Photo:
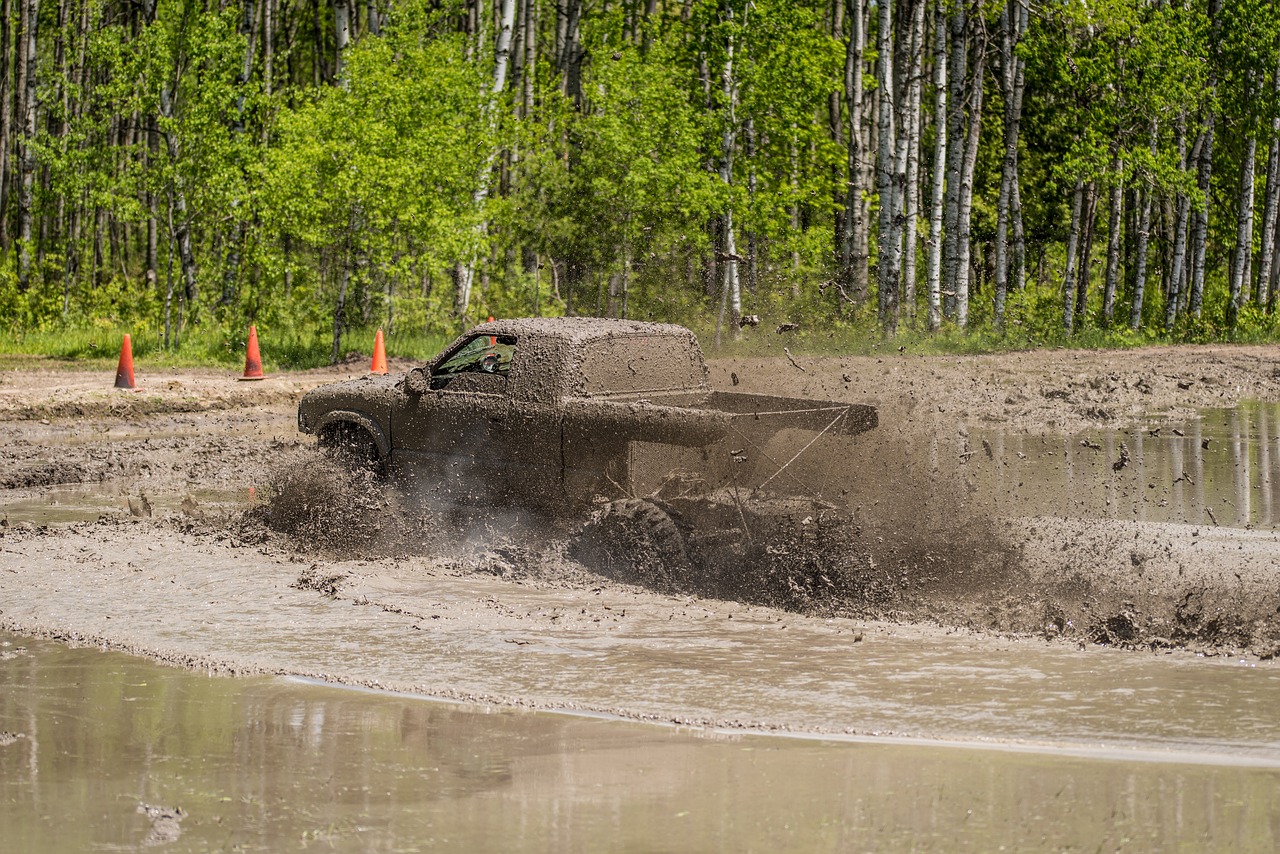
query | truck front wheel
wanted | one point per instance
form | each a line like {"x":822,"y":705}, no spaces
{"x":633,"y":540}
{"x":351,"y":446}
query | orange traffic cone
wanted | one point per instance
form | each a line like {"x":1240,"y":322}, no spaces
{"x":124,"y":370}
{"x":379,"y":355}
{"x":252,"y":360}
{"x":493,"y":339}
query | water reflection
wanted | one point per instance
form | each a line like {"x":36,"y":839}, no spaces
{"x":258,"y":764}
{"x":1221,"y":469}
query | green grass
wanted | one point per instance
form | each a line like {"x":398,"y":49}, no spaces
{"x":1033,"y":322}
{"x":98,"y":346}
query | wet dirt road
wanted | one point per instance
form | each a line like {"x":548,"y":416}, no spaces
{"x":188,"y":585}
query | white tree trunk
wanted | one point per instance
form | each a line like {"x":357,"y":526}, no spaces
{"x":1113,"y":242}
{"x":1270,"y":206}
{"x":502,"y":61}
{"x":1019,"y":234}
{"x":341,"y":39}
{"x":854,"y":240}
{"x":911,"y":202}
{"x":1244,"y":232}
{"x":959,"y":46}
{"x":1270,"y":209}
{"x":1013,"y":73}
{"x":731,"y":291}
{"x":889,"y":262}
{"x":1177,"y":275}
{"x":27,"y":164}
{"x":1073,"y":243}
{"x":964,"y":241}
{"x":1200,"y":231}
{"x":1144,"y":232}
{"x":939,"y":166}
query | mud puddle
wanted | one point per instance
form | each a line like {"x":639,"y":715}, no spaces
{"x":106,"y":751}
{"x":437,"y":629}
{"x":86,"y":502}
{"x":1220,"y":469}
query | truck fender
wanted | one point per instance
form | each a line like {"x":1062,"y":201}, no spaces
{"x":359,"y":418}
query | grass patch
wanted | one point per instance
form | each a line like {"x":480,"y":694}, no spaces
{"x":98,"y":346}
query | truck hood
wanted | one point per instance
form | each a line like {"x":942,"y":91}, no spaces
{"x":372,"y":396}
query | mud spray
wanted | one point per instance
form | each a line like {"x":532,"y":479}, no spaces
{"x":870,"y":555}
{"x":895,"y":539}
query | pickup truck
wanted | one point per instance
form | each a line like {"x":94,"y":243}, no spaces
{"x":571,"y":414}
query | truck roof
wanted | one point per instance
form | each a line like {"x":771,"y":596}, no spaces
{"x":576,"y":330}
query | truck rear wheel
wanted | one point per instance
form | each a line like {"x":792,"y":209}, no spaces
{"x":633,"y":540}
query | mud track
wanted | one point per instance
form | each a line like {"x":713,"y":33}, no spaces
{"x":205,"y":548}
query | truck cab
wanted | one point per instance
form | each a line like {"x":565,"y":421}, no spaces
{"x":535,"y":410}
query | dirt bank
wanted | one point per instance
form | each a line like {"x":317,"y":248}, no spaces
{"x":179,"y":564}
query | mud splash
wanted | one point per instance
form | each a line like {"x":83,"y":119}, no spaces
{"x":341,"y":511}
{"x":859,"y":561}
{"x":952,"y":562}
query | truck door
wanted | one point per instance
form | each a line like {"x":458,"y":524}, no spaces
{"x":450,"y":440}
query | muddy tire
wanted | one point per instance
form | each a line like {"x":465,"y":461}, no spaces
{"x":351,"y":446}
{"x":633,"y":540}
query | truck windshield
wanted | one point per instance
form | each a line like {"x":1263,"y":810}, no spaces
{"x":488,"y":354}
{"x":641,"y":364}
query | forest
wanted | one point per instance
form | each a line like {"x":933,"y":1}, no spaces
{"x":1005,"y":173}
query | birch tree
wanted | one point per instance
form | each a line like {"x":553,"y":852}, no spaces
{"x":909,"y":151}
{"x":855,"y":238}
{"x":26,"y":213}
{"x":889,"y":264}
{"x":501,"y":62}
{"x":1014,"y":18}
{"x":934,"y":275}
{"x":1270,"y":205}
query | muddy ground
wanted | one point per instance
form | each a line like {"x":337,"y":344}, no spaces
{"x":195,"y":485}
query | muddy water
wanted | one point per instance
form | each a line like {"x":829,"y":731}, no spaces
{"x":91,"y":739}
{"x":1063,"y":748}
{"x":85,"y":502}
{"x":1221,"y":469}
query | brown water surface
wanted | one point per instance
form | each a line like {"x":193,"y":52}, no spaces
{"x":1222,"y":468}
{"x":260,"y":764}
{"x":920,"y":737}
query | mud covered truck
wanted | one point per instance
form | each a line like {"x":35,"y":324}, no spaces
{"x":609,"y":420}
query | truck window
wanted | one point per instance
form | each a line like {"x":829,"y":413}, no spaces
{"x":634,"y":364}
{"x":481,"y":354}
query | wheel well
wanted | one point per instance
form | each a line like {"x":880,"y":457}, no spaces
{"x":336,"y":430}
{"x":341,"y":427}
{"x":350,"y":436}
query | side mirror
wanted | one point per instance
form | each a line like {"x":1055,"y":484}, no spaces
{"x":418,"y":381}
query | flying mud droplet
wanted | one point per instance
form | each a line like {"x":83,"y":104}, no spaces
{"x":342,"y":511}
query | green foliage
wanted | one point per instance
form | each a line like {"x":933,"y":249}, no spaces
{"x":97,"y":345}
{"x":583,"y":186}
